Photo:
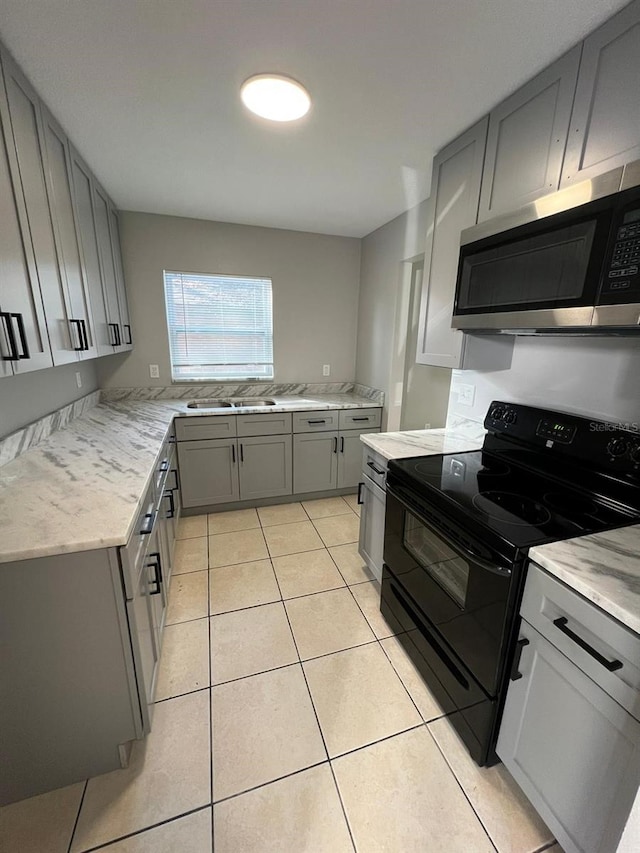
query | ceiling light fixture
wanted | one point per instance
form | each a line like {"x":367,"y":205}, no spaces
{"x":275,"y":97}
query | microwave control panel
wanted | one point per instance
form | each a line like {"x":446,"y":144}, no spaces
{"x":623,"y":271}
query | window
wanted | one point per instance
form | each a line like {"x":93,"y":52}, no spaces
{"x":220,"y":326}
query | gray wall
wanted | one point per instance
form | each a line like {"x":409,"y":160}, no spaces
{"x":26,"y":398}
{"x":598,"y":377}
{"x":387,"y":326}
{"x":315,"y":292}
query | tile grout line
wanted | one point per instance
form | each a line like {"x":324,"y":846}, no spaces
{"x":210,"y":687}
{"x":75,"y":823}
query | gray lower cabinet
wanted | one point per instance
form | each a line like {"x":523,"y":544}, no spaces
{"x":265,"y":466}
{"x":453,"y":206}
{"x":569,"y":735}
{"x":315,"y":462}
{"x":350,"y":457}
{"x":604,"y":131}
{"x":527,"y":138}
{"x":371,"y":540}
{"x":208,"y":471}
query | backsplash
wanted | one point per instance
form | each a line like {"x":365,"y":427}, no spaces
{"x":198,"y":392}
{"x":24,"y":439}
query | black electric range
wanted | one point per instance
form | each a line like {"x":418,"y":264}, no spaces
{"x":458,"y":529}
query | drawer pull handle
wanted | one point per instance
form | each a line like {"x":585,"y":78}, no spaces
{"x":610,"y":665}
{"x":316,"y":422}
{"x":360,"y":498}
{"x":375,"y":469}
{"x":156,"y":565}
{"x":515,"y":666}
{"x":147,"y":526}
{"x":366,"y":418}
{"x":164,"y":466}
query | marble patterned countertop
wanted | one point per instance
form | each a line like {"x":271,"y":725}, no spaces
{"x":80,"y":489}
{"x":604,"y":568}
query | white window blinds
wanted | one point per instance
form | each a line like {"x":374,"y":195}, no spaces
{"x":220,"y":326}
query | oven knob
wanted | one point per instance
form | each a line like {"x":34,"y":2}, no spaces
{"x":634,"y":453}
{"x":617,"y":447}
{"x":510,"y":416}
{"x":497,"y":413}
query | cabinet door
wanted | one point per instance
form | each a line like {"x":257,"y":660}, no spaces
{"x":455,"y":193}
{"x":572,"y":749}
{"x":350,"y":457}
{"x":143,"y":641}
{"x":208,"y":472}
{"x":371,"y":542}
{"x":60,"y":192}
{"x":89,"y":245}
{"x":527,"y":138}
{"x":123,"y":305}
{"x":315,"y":462}
{"x":110,"y":288}
{"x":24,"y":113}
{"x":604,"y":131}
{"x":265,"y":466}
{"x":20,"y":299}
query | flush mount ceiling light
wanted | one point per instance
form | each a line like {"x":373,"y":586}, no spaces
{"x":275,"y":97}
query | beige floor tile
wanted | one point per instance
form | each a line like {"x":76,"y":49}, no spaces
{"x":399,"y":795}
{"x":281,"y":514}
{"x":42,"y":823}
{"x":325,"y":507}
{"x":507,"y":815}
{"x":339,"y":529}
{"x":188,"y":597}
{"x":232,"y":521}
{"x":189,"y":834}
{"x":352,"y":566}
{"x":352,"y":500}
{"x":264,"y":728}
{"x":292,"y":538}
{"x":243,"y":585}
{"x":184,"y":663}
{"x":305,"y":573}
{"x":244,"y":546}
{"x":327,"y":622}
{"x":411,"y":678}
{"x":168,"y":774}
{"x":249,"y":641}
{"x":368,"y":597}
{"x":358,"y":698}
{"x":190,"y":526}
{"x":191,"y":555}
{"x":294,"y":815}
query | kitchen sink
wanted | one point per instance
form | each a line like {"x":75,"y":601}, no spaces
{"x":242,"y":402}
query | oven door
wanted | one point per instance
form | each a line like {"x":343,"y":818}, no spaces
{"x":460,"y":587}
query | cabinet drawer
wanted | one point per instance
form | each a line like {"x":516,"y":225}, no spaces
{"x":163,"y":463}
{"x":315,"y":421}
{"x":209,"y":426}
{"x":267,"y":424}
{"x":374,"y":466}
{"x":132,"y":554}
{"x":547,"y":600}
{"x":359,"y":418}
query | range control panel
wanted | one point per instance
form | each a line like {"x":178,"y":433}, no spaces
{"x":611,"y":445}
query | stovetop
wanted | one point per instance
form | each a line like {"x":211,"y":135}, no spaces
{"x":523,"y":507}
{"x":540,"y":476}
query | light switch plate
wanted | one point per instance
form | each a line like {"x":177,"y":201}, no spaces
{"x":154,"y":371}
{"x":466,"y":394}
{"x":326,"y":370}
{"x":78,"y":379}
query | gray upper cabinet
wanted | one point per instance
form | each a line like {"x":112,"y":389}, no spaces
{"x":605,"y":124}
{"x":25,"y":124}
{"x":21,"y":308}
{"x":455,"y":194}
{"x":61,"y":205}
{"x":526,"y":140}
{"x":89,"y":244}
{"x":102,"y":218}
{"x":265,"y":466}
{"x":123,"y":305}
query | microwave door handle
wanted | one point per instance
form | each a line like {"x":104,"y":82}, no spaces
{"x":488,"y":566}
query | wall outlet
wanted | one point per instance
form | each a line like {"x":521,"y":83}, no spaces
{"x":466,"y":394}
{"x":78,"y":379}
{"x":427,"y":426}
{"x":154,"y":371}
{"x":326,"y":370}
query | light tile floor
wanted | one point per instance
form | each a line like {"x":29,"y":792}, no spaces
{"x":289,"y":718}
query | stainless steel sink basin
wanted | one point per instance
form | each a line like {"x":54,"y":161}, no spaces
{"x":210,"y":404}
{"x":247,"y":402}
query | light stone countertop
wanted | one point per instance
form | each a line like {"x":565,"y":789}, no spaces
{"x":420,"y":442}
{"x":604,"y":568}
{"x":81,"y":488}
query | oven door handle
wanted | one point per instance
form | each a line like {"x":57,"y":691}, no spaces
{"x":486,"y":565}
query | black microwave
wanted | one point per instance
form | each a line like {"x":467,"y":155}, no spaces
{"x":576,"y":270}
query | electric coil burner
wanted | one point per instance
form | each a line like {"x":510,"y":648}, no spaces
{"x":458,"y":529}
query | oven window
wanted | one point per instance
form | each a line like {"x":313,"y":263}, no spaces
{"x":443,"y":564}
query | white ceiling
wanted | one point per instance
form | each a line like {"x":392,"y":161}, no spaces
{"x":148,"y":91}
